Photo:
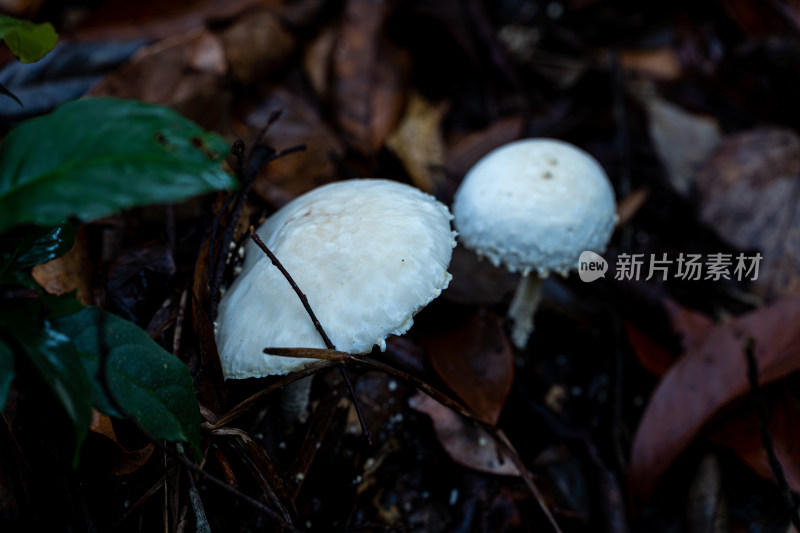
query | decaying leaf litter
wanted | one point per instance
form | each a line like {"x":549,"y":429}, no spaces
{"x":629,"y":410}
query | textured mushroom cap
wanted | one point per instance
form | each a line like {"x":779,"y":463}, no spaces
{"x":535,"y":204}
{"x":367,"y":253}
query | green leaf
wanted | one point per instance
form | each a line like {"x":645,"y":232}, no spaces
{"x":150,"y":384}
{"x":58,"y":305}
{"x":28,"y":41}
{"x":11,"y":95}
{"x":33,"y":245}
{"x":56,"y":359}
{"x":6,"y":373}
{"x":94,"y":156}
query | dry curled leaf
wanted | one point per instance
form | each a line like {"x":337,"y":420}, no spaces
{"x":711,"y":373}
{"x":317,"y":60}
{"x":476,"y":361}
{"x":185,"y":72}
{"x":748,"y":190}
{"x":124,"y":461}
{"x":653,"y":357}
{"x":662,"y":63}
{"x":299,"y":124}
{"x":159,"y":19}
{"x":370,"y":76}
{"x":741,"y":432}
{"x":683,"y":141}
{"x":465,"y":441}
{"x":476,"y":281}
{"x":464,"y":151}
{"x":257,"y":45}
{"x":418,"y":142}
{"x":69,"y":272}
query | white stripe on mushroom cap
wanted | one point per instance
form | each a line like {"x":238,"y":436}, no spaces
{"x":535,"y":204}
{"x":367,"y":253}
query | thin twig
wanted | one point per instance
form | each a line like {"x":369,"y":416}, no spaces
{"x":246,"y":404}
{"x":201,"y":522}
{"x":436,"y":394}
{"x":766,"y":437}
{"x":248,"y":165}
{"x":364,"y":429}
{"x":500,"y":436}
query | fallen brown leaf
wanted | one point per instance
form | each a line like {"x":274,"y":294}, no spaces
{"x":662,"y":63}
{"x":156,"y":19}
{"x":418,"y":142}
{"x":185,"y":72}
{"x":317,"y":60}
{"x":465,"y":151}
{"x":257,"y":45}
{"x":69,"y":272}
{"x":682,"y":140}
{"x":370,"y":76}
{"x":476,"y":281}
{"x":651,"y":355}
{"x":465,"y":441}
{"x":125,"y":461}
{"x":476,"y":361}
{"x":711,"y":373}
{"x":748,"y":190}
{"x":741,"y":432}
{"x":299,"y":124}
{"x":26,"y":9}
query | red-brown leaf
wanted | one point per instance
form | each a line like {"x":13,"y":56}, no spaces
{"x":300,"y":123}
{"x":742,"y":434}
{"x":711,"y":373}
{"x":123,"y":461}
{"x":651,"y":355}
{"x":370,"y":76}
{"x":476,"y":362}
{"x":465,"y":441}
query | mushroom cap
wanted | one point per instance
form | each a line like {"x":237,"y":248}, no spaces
{"x":367,"y":253}
{"x":535,"y":204}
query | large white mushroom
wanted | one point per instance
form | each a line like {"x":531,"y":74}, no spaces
{"x":368,"y":254}
{"x":534,"y":205}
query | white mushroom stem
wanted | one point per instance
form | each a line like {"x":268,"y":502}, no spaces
{"x":523,"y":306}
{"x":295,"y":398}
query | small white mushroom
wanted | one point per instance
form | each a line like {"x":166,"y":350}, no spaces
{"x":534,"y":205}
{"x":368,"y":254}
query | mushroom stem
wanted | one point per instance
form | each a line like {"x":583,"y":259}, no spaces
{"x":295,"y":399}
{"x":523,"y":306}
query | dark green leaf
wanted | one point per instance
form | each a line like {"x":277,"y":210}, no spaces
{"x":59,"y":305}
{"x":95,"y":156}
{"x":11,"y":95}
{"x":57,"y":361}
{"x":28,"y":41}
{"x":6,"y":372}
{"x":147,"y":382}
{"x":23,"y":279}
{"x":33,"y":245}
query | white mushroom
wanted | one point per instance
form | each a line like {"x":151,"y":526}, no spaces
{"x":368,"y":254}
{"x":534,"y":205}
